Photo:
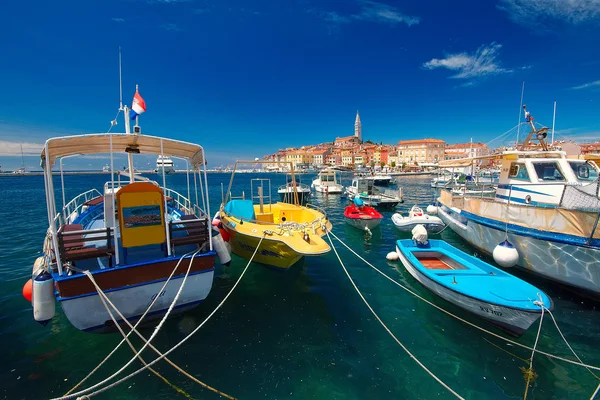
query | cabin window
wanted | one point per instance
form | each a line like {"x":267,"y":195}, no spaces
{"x":584,"y":171}
{"x":518,"y":171}
{"x":548,"y":171}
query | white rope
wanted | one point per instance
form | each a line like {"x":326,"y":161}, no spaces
{"x":182,"y":341}
{"x":135,"y":326}
{"x":595,"y":392}
{"x":530,"y":370}
{"x":104,"y":298}
{"x":464,"y":320}
{"x":386,"y":328}
{"x":567,"y":343}
{"x":156,"y":330}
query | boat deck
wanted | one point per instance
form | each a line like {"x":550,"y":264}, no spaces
{"x":437,"y":261}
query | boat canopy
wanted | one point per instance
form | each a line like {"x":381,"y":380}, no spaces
{"x":507,"y":155}
{"x":121,"y":143}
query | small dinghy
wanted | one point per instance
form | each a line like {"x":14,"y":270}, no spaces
{"x":415,"y":217}
{"x":474,"y":285}
{"x":362,"y":217}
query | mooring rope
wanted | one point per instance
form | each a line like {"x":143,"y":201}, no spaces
{"x":581,"y":364}
{"x":567,"y":343}
{"x":595,"y":392}
{"x":178,"y":368}
{"x":385,"y":326}
{"x":156,"y":330}
{"x":529,"y":372}
{"x":181,"y":342}
{"x":103,"y":298}
{"x":137,"y":323}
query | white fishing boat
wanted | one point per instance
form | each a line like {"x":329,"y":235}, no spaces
{"x":164,"y":163}
{"x":546,"y":205}
{"x":327,"y":182}
{"x":129,"y":239}
{"x":292,"y":188}
{"x":415,"y":217}
{"x":372,"y":196}
{"x":464,"y":190}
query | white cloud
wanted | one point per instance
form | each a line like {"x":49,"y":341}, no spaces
{"x":371,"y":11}
{"x":171,"y":27}
{"x":587,"y":85}
{"x":117,"y":19}
{"x":8,"y":148}
{"x":479,"y":64}
{"x":381,"y":12}
{"x":546,"y":12}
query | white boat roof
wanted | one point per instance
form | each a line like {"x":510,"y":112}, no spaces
{"x":100,"y":143}
{"x":507,"y":155}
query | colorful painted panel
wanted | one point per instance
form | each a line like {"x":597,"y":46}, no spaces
{"x":134,"y":217}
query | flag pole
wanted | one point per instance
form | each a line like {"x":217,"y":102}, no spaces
{"x":553,"y":122}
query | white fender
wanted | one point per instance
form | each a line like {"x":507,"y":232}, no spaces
{"x":43,"y":298}
{"x":221,"y":249}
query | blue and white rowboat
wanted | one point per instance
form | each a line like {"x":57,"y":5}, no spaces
{"x":474,"y":285}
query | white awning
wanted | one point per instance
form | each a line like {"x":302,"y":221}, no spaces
{"x":121,"y":143}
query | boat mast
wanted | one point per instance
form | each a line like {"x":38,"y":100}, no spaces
{"x":520,"y":108}
{"x":553,"y":122}
{"x":22,"y":160}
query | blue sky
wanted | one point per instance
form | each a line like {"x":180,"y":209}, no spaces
{"x":245,"y":78}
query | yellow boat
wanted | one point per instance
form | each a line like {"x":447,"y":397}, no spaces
{"x":291,"y":231}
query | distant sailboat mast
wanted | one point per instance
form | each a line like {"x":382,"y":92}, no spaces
{"x":520,"y":108}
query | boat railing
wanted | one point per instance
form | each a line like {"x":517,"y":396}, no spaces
{"x":72,"y":209}
{"x":182,"y":202}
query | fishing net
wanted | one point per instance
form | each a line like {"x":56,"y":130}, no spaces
{"x":582,"y":198}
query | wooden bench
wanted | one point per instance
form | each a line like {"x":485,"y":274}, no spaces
{"x":72,"y":243}
{"x":196,"y":228}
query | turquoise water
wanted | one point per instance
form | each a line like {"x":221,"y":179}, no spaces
{"x":303,"y":334}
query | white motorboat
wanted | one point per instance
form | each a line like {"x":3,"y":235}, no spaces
{"x":292,"y":188}
{"x":372,"y":196}
{"x":415,"y":217}
{"x":326,"y":182}
{"x":164,"y":163}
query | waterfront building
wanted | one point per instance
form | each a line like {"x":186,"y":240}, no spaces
{"x":468,"y":149}
{"x":421,"y":151}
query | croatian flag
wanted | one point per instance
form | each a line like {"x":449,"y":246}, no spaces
{"x":138,"y":106}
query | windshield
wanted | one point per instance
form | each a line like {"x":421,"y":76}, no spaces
{"x":584,"y":171}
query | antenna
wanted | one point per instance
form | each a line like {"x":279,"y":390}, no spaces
{"x":553,"y":122}
{"x":120,"y":83}
{"x":520,"y":108}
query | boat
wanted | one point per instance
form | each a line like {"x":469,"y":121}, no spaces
{"x":288,"y":231}
{"x":464,"y":190}
{"x":372,"y":196}
{"x":415,"y":217}
{"x":130,"y":237}
{"x":378,"y":178}
{"x":326,"y":182}
{"x":294,"y":188}
{"x":546,"y":204}
{"x":468,"y":282}
{"x":362,"y":217}
{"x":21,"y":170}
{"x":164,"y":163}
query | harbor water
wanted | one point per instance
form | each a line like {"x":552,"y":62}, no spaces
{"x":300,"y":334}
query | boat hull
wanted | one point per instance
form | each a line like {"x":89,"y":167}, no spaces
{"x":510,"y":320}
{"x":132,"y":289}
{"x":272,"y":252}
{"x":288,"y":197}
{"x":168,"y":170}
{"x":540,"y":256}
{"x":431,"y":224}
{"x":328,"y":189}
{"x":363,"y":224}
